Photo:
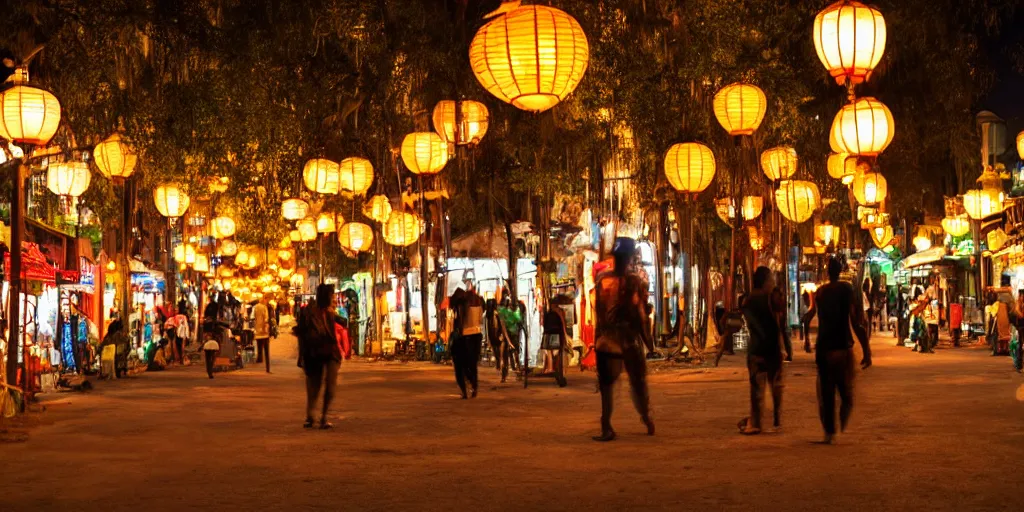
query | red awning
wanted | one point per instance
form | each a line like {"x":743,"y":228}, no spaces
{"x":34,"y":266}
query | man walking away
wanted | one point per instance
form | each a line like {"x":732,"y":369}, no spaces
{"x":766,"y":352}
{"x":837,"y":313}
{"x":620,"y":319}
{"x":465,"y":346}
{"x":319,"y":353}
{"x":261,"y":328}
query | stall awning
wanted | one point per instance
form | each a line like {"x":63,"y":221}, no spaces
{"x":923,"y":258}
{"x":34,"y":266}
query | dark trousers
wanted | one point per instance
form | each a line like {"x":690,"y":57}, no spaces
{"x":321,"y":374}
{"x":609,"y":368}
{"x":210,"y":356}
{"x":263,"y":351}
{"x":465,"y":356}
{"x":933,"y":336}
{"x":179,"y":344}
{"x":764,"y":373}
{"x":835,"y":374}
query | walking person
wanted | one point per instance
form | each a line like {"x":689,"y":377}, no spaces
{"x":766,"y":351}
{"x":319,"y":353}
{"x":261,"y":328}
{"x":210,"y":349}
{"x":621,"y":327}
{"x":837,"y":315}
{"x":467,"y":337}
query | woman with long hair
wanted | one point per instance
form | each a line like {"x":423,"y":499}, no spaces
{"x":319,"y":353}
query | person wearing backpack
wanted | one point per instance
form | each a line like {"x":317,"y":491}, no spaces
{"x":319,"y":353}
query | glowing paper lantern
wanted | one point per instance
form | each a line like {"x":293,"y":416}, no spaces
{"x":171,"y":201}
{"x":982,"y":203}
{"x":378,"y":208}
{"x":284,"y":255}
{"x":1020,"y":145}
{"x":189,"y":257}
{"x":725,"y":209}
{"x":862,"y":128}
{"x":826,"y":234}
{"x":797,"y":200}
{"x":28,"y":115}
{"x":69,"y":179}
{"x":757,"y":240}
{"x":355,"y":236}
{"x":325,"y":223}
{"x":228,"y":248}
{"x":322,"y":176}
{"x":882,"y":236}
{"x":222,"y":227}
{"x":958,"y":225}
{"x":740,"y":108}
{"x":201,"y":264}
{"x":752,"y":207}
{"x":284,"y":273}
{"x":294,"y":209}
{"x":689,"y":167}
{"x":294,"y":235}
{"x":285,"y":242}
{"x":306,"y":229}
{"x":532,"y":57}
{"x":356,"y":175}
{"x":114,"y":157}
{"x":922,"y":242}
{"x":241,"y":258}
{"x":996,"y":239}
{"x":843,"y":167}
{"x":424,"y":152}
{"x":779,"y":163}
{"x":473,"y":121}
{"x":850,"y":39}
{"x":402,"y":229}
{"x":869,"y":188}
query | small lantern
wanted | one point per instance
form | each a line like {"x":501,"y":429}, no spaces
{"x":294,"y":209}
{"x":869,"y":187}
{"x":843,"y":167}
{"x":222,"y":227}
{"x":850,"y":39}
{"x":779,"y":163}
{"x":424,"y":152}
{"x":752,"y":207}
{"x":532,"y":56}
{"x":826,"y":234}
{"x":355,"y":236}
{"x":114,"y":157}
{"x":190,"y":254}
{"x":325,"y":223}
{"x":225,"y":272}
{"x":725,"y":209}
{"x":284,"y":273}
{"x":740,"y":108}
{"x":922,"y":242}
{"x":171,"y":201}
{"x":473,"y":121}
{"x":356,"y":175}
{"x":689,"y":167}
{"x":28,"y":115}
{"x":285,"y":242}
{"x":797,"y":200}
{"x":228,"y":248}
{"x":982,"y":203}
{"x":882,"y":236}
{"x":862,"y":128}
{"x":69,"y":179}
{"x":294,"y":235}
{"x":996,"y":239}
{"x":402,"y":229}
{"x":757,"y":240}
{"x":241,"y":258}
{"x":322,"y":176}
{"x":958,"y":225}
{"x":201,"y":264}
{"x":378,"y":208}
{"x":284,"y":255}
{"x":296,"y":281}
{"x":307,"y":230}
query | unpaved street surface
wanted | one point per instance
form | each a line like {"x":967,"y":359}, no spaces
{"x":930,"y":432}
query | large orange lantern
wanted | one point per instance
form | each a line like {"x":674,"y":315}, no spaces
{"x":356,"y":175}
{"x":532,"y":56}
{"x":114,"y":157}
{"x":689,"y":167}
{"x":740,"y":108}
{"x":28,"y":115}
{"x":322,"y":176}
{"x":843,"y":167}
{"x":862,"y":128}
{"x":424,"y":152}
{"x":378,"y":208}
{"x":171,"y":201}
{"x":474,"y":120}
{"x":355,"y":236}
{"x":797,"y":200}
{"x":69,"y":179}
{"x":402,"y":229}
{"x":869,"y":187}
{"x":294,"y":209}
{"x":958,"y":225}
{"x":850,"y":39}
{"x":779,"y":163}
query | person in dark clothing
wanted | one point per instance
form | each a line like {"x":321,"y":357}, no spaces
{"x":766,"y":351}
{"x":778,"y":299}
{"x":837,"y":312}
{"x":319,"y":352}
{"x":466,"y":344}
{"x":116,"y":336}
{"x":620,"y":320}
{"x":805,"y":325}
